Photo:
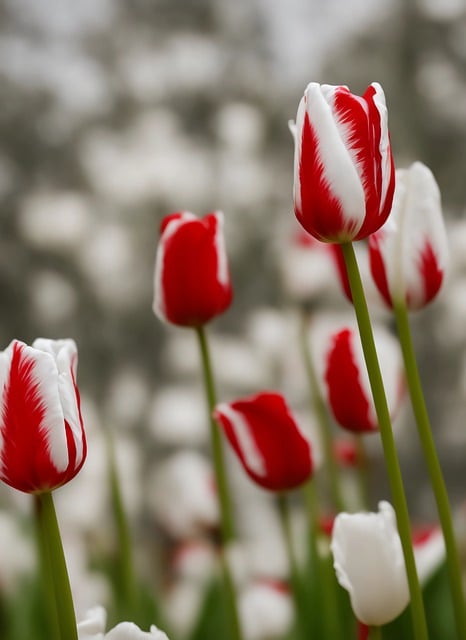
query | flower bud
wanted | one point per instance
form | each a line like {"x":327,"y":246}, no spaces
{"x":192,"y":280}
{"x":343,"y":167}
{"x":42,"y":439}
{"x":267,"y":439}
{"x":369,"y":563}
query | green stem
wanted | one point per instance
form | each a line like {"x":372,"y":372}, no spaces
{"x":48,"y":590}
{"x":61,"y":585}
{"x":388,"y":442}
{"x":226,"y":514}
{"x":127,"y":590}
{"x":323,"y":571}
{"x":375,"y":633}
{"x":323,"y":420}
{"x":433,"y":465}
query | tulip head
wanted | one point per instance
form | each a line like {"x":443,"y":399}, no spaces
{"x":267,"y":439}
{"x":343,"y":374}
{"x":192,"y":280}
{"x":369,"y":563}
{"x":409,"y":254}
{"x":42,"y":439}
{"x":344,"y":174}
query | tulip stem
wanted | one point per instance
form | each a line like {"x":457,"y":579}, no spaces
{"x":53,"y":553}
{"x":433,"y":465}
{"x":127,"y":590}
{"x":375,"y":633}
{"x":226,"y":515}
{"x":323,"y":420}
{"x":48,"y":591}
{"x":388,"y":442}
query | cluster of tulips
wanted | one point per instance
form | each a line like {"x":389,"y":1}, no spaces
{"x":346,"y":189}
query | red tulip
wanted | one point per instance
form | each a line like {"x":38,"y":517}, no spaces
{"x":267,"y":439}
{"x":192,"y":281}
{"x":409,"y":254}
{"x":345,"y":379}
{"x":42,"y":439}
{"x":344,"y":175}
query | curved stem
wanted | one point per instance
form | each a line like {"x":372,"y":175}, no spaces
{"x":127,"y":579}
{"x":45,"y":511}
{"x":388,"y":442}
{"x":433,"y":466}
{"x":323,"y":420}
{"x":226,"y":514}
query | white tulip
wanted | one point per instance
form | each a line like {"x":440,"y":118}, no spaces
{"x":369,"y":564}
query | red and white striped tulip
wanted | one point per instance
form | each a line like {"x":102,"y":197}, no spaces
{"x":343,"y":374}
{"x":344,"y":174}
{"x":409,"y":254}
{"x":267,"y":439}
{"x":42,"y":439}
{"x":192,"y":279}
{"x":369,"y":563}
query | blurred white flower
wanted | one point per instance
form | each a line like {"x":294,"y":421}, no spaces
{"x":20,"y":559}
{"x":266,"y":610}
{"x":240,"y":127}
{"x":178,"y":416}
{"x":182,"y":496}
{"x":53,"y":298}
{"x":429,"y":553}
{"x":92,"y":627}
{"x":127,"y":397}
{"x":57,"y":221}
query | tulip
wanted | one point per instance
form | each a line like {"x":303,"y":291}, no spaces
{"x":267,"y":439}
{"x":42,"y":439}
{"x":344,"y":175}
{"x":429,"y":552}
{"x":266,"y":610}
{"x":93,"y":628}
{"x":346,"y":383}
{"x":369,"y":564}
{"x":192,"y":281}
{"x":409,"y":254}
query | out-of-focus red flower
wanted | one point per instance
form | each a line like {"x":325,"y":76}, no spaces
{"x":192,"y":279}
{"x":267,"y":439}
{"x":344,"y":175}
{"x":409,"y":254}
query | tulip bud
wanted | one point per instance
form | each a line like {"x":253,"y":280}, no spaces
{"x":266,"y":610}
{"x":42,"y":439}
{"x":369,"y":563}
{"x":343,"y":167}
{"x":345,"y":380}
{"x":409,"y":254}
{"x":267,"y":439}
{"x":192,"y":281}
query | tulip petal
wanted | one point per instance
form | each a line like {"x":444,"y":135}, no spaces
{"x":267,"y":439}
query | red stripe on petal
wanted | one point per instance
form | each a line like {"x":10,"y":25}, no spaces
{"x":432,"y":274}
{"x":377,"y":267}
{"x":346,"y":395}
{"x":285,"y":454}
{"x":26,"y":463}
{"x":320,"y":212}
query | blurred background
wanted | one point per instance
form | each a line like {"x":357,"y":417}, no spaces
{"x":114,"y":113}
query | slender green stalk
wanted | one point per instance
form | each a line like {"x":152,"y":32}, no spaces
{"x":127,"y":588}
{"x":388,"y":442}
{"x":323,"y":420}
{"x":48,"y":591}
{"x":375,"y":633}
{"x":226,"y":514}
{"x":48,"y":524}
{"x":298,"y":595}
{"x":324,"y":573}
{"x":433,"y":465}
